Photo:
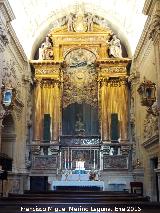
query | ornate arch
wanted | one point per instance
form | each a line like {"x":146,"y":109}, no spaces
{"x":51,"y":25}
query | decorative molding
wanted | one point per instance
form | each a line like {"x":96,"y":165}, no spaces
{"x":45,"y":62}
{"x":152,"y":141}
{"x":17,"y":43}
{"x":7,"y":10}
{"x":113,"y":61}
{"x":143,"y":39}
{"x":148,"y":7}
{"x":151,"y":28}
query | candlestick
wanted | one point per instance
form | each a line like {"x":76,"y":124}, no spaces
{"x":68,"y":157}
{"x":65,"y":159}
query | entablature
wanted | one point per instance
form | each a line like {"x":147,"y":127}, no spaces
{"x":48,"y":69}
{"x":115,"y":68}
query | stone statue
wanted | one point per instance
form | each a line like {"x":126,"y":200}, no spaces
{"x":115,"y":49}
{"x":89,"y":20}
{"x":46,"y":52}
{"x":70,"y":22}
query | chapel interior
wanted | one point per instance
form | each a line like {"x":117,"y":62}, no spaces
{"x":80,"y":98}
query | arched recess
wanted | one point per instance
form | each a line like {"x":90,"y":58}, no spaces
{"x":80,"y":119}
{"x":53,"y":22}
{"x":8,"y":136}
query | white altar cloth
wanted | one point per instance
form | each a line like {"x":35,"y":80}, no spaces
{"x":78,"y":183}
{"x":75,"y":177}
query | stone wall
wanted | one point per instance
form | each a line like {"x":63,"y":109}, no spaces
{"x":145,"y":125}
{"x":14,"y":73}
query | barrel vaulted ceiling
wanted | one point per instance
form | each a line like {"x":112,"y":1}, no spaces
{"x":34,"y":18}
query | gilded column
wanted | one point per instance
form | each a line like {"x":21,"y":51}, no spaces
{"x":56,"y":52}
{"x":38,"y":111}
{"x":104,"y":113}
{"x":114,"y":99}
{"x":56,"y":112}
{"x":50,"y":103}
{"x":123,"y":111}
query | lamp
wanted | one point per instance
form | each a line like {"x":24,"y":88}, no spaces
{"x":147,"y":91}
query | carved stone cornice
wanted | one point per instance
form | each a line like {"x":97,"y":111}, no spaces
{"x":113,"y":61}
{"x":154,"y":140}
{"x":45,"y":62}
{"x":7,"y":10}
{"x":9,"y":16}
{"x":148,"y":7}
{"x":143,"y":39}
{"x":19,"y":48}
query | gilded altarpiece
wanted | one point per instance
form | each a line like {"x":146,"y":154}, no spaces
{"x":81,"y":71}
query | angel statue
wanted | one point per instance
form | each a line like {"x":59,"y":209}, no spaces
{"x":70,"y":19}
{"x":46,"y":51}
{"x":115,"y":49}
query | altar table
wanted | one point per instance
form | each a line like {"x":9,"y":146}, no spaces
{"x":88,"y":184}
